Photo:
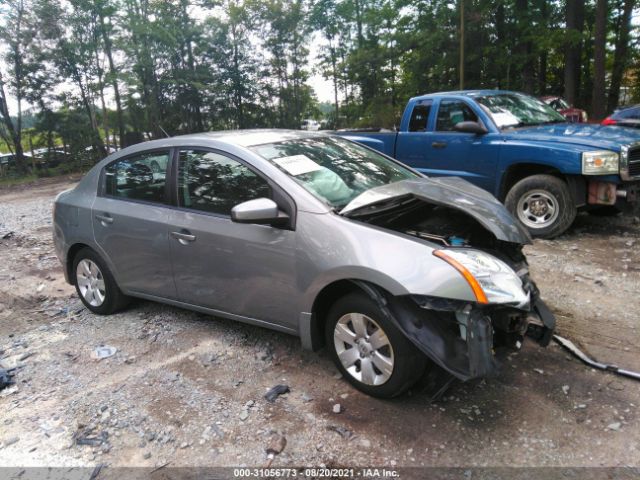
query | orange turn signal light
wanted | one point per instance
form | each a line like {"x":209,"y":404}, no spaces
{"x":471,"y":280}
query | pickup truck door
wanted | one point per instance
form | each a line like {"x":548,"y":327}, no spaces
{"x":439,"y":150}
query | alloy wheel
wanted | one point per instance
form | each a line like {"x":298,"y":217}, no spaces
{"x":90,"y":282}
{"x":363,"y":348}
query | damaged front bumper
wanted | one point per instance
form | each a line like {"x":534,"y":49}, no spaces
{"x":463,"y":339}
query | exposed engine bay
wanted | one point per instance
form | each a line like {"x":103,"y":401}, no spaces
{"x":462,"y":337}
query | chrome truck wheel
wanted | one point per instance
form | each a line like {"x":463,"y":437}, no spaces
{"x":538,"y":209}
{"x":543,"y":204}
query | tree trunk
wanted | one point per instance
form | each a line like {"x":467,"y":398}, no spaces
{"x":105,"y":117}
{"x":620,"y":57}
{"x":14,"y":133}
{"x":573,"y":50}
{"x":195,"y":93}
{"x":599,"y":45}
{"x":114,"y":81}
{"x":334,"y":71}
{"x":501,"y":40}
{"x":525,"y":46}
{"x":542,"y":61}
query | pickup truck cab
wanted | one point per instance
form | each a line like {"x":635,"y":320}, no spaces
{"x":519,"y":149}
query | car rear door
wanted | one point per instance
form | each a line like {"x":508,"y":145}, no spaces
{"x":242,"y":269}
{"x":130,"y":215}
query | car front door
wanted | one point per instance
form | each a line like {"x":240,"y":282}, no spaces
{"x":242,"y":269}
{"x":468,"y":155}
{"x":130,"y":216}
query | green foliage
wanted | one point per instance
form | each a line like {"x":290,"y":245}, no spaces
{"x":102,"y":72}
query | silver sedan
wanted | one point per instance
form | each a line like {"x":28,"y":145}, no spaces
{"x":312,"y":235}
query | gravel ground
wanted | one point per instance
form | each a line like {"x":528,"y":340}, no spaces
{"x":187,"y":389}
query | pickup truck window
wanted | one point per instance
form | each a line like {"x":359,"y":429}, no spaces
{"x":420,"y":116}
{"x":333,"y":169}
{"x":452,"y":112}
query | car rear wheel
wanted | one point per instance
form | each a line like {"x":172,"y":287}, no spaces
{"x":95,"y":285}
{"x":543,"y":204}
{"x":369,"y":350}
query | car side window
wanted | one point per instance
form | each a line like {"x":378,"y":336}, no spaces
{"x":139,"y":177}
{"x":452,"y":112}
{"x":633,"y":113}
{"x":420,"y":116}
{"x":215,"y":183}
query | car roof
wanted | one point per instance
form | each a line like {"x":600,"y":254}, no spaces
{"x":250,"y":138}
{"x":463,"y":93}
{"x":237,"y":138}
{"x":627,"y":107}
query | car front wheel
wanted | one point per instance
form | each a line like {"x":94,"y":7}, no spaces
{"x":95,"y":285}
{"x":543,"y":204}
{"x":369,"y":350}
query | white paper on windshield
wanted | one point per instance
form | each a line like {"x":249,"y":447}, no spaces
{"x":297,"y":164}
{"x":504,"y":119}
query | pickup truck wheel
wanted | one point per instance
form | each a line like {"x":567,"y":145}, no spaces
{"x":543,"y":204}
{"x":369,"y":350}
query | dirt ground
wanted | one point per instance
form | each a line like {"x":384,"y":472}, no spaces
{"x":186,"y":389}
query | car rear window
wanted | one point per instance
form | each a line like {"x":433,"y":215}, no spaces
{"x":140,"y":177}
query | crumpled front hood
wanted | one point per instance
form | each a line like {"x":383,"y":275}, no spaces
{"x":595,"y":137}
{"x":452,"y":192}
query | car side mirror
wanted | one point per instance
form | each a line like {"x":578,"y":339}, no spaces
{"x":470,"y":127}
{"x":262,"y":211}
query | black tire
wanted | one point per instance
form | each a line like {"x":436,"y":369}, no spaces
{"x":605,"y":211}
{"x":114,"y":299}
{"x":550,"y":185}
{"x":408,"y":362}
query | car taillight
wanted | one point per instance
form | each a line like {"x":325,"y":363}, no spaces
{"x":609,"y":121}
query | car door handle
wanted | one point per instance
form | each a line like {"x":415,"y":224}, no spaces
{"x":439,"y":144}
{"x":183,"y":237}
{"x":105,"y":219}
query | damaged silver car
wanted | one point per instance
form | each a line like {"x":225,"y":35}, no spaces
{"x":312,"y":235}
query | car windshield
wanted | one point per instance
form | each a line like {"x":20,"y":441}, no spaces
{"x":512,"y":110}
{"x":331,"y":168}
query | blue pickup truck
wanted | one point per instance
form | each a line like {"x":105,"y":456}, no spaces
{"x":519,"y":149}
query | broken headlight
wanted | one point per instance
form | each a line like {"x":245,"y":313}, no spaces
{"x":599,"y":162}
{"x":491,"y":280}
